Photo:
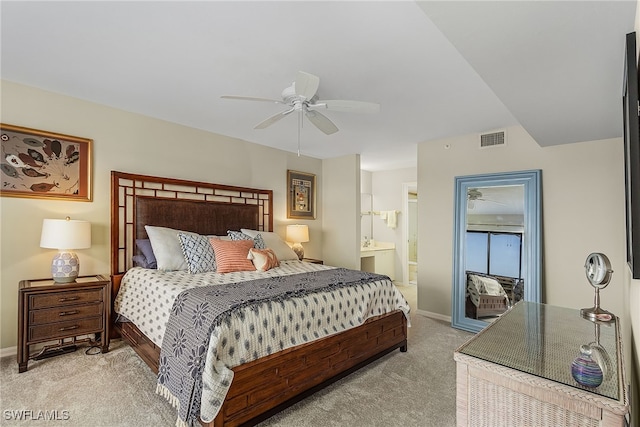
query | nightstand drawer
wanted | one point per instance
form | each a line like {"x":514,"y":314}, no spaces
{"x":60,"y":314}
{"x":62,"y":329}
{"x":64,"y":298}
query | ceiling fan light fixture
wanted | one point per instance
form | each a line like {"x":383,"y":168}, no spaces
{"x":302,"y":96}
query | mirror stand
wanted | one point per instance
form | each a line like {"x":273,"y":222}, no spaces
{"x":598,"y":271}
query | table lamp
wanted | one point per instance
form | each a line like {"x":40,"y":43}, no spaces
{"x":65,"y":235}
{"x":298,"y":234}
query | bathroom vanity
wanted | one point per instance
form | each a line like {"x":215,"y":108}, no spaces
{"x":379,"y":258}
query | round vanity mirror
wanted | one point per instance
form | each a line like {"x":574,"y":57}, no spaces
{"x":598,"y":270}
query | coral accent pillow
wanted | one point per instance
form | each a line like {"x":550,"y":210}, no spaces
{"x":231,"y":255}
{"x":263,"y":259}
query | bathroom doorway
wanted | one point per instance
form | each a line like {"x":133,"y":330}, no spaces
{"x":410,"y":227}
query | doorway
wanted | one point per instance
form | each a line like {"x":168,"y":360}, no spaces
{"x":410,"y":227}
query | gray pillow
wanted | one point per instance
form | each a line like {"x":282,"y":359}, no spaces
{"x":144,"y":245}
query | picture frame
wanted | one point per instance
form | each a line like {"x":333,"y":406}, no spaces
{"x":47,"y":165}
{"x":301,"y":195}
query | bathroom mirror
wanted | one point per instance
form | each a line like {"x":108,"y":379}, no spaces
{"x":497,"y":246}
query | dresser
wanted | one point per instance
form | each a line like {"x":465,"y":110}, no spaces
{"x":61,"y":313}
{"x":517,"y":371}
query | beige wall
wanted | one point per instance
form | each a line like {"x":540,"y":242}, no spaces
{"x":583,"y":212}
{"x":130,"y":143}
{"x":341,"y":211}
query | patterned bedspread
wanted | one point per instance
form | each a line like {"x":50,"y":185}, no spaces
{"x":146,"y":298}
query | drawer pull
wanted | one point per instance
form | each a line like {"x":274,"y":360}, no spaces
{"x":68,"y":313}
{"x":68,"y":299}
{"x":69,"y":328}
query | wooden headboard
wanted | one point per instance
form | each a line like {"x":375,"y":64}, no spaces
{"x":204,"y":208}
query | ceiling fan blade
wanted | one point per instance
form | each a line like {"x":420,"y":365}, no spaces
{"x":252,"y":98}
{"x":348,"y":106}
{"x":492,"y":201}
{"x":321,"y":122}
{"x":306,"y":84}
{"x":271,"y":120}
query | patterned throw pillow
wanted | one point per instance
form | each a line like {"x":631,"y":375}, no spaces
{"x":231,"y":255}
{"x":198,"y":253}
{"x":258,"y":242}
{"x":477,"y":283}
{"x":263,"y":259}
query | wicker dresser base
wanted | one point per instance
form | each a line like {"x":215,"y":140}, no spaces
{"x":491,"y":394}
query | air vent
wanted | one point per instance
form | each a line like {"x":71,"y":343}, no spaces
{"x":493,"y":139}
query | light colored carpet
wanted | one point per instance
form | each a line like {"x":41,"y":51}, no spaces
{"x":416,"y":388}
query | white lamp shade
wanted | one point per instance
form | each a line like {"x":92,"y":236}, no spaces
{"x":65,"y":234}
{"x":297,"y":233}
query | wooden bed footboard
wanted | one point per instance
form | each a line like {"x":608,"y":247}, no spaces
{"x":268,"y":385}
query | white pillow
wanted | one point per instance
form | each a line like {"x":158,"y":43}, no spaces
{"x":492,"y":287}
{"x":274,"y":242}
{"x":166,"y":247}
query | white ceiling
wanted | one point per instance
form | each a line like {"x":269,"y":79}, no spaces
{"x":438,"y":69}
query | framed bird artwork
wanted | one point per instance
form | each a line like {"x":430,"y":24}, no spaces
{"x":44,"y":164}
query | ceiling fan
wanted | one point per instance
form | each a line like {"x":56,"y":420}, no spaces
{"x":473,"y":195}
{"x":302,"y":96}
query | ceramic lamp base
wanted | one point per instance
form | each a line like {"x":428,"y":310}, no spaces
{"x":65,"y":267}
{"x":299,"y":250}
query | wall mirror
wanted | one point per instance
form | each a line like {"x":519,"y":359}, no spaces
{"x":497,"y":246}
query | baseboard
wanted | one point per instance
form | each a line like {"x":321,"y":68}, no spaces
{"x":8,"y":351}
{"x":437,"y":316}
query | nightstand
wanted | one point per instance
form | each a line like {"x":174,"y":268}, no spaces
{"x":313,"y":261}
{"x":49,"y":311}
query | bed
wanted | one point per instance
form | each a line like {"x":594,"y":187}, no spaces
{"x":265,"y":383}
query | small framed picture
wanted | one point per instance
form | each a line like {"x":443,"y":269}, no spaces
{"x":42,"y":164}
{"x":301,"y":195}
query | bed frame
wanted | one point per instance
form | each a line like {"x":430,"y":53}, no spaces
{"x":265,"y":386}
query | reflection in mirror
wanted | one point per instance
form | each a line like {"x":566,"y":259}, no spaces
{"x":496,"y":248}
{"x":366,"y":219}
